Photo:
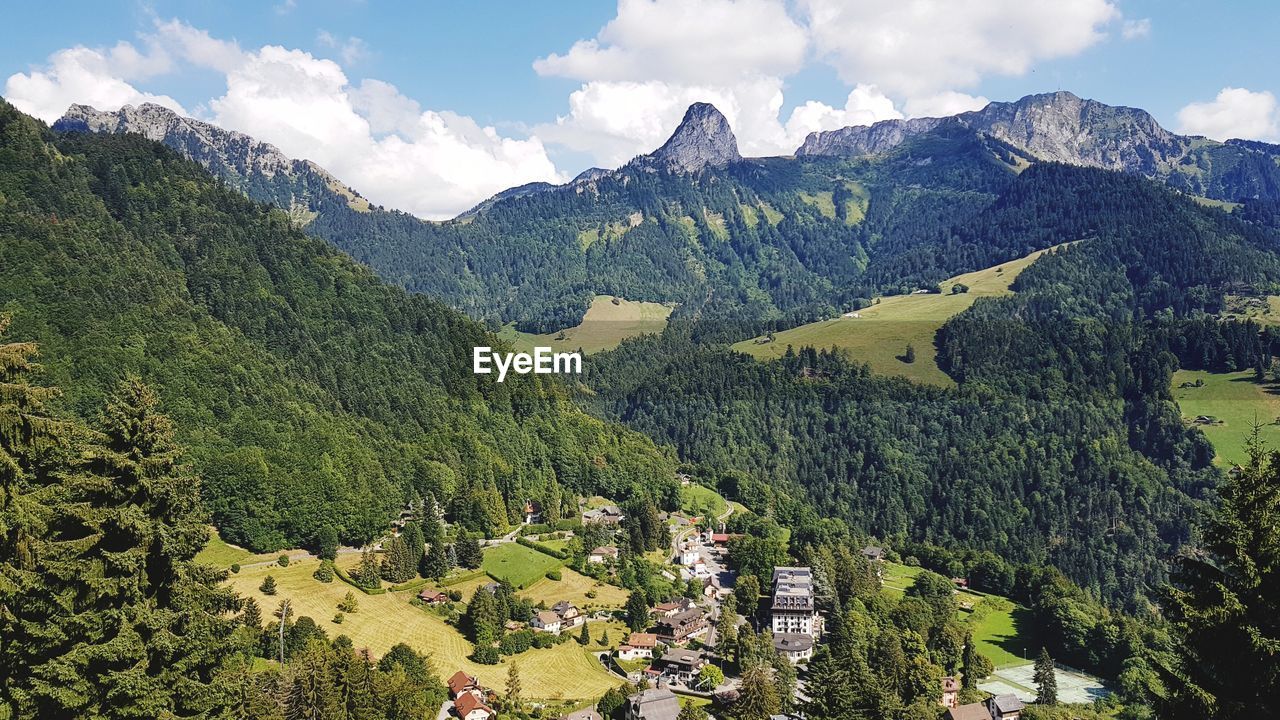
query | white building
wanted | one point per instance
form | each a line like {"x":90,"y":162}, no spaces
{"x":793,"y":611}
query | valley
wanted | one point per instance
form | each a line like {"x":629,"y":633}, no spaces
{"x":880,"y":333}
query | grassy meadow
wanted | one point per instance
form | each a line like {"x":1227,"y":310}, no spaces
{"x":517,"y":564}
{"x":880,"y":334}
{"x":602,"y":328}
{"x":1236,"y":401}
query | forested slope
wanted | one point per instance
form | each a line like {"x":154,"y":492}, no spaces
{"x":309,"y":392}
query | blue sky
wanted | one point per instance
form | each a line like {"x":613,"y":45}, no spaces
{"x":432,"y":106}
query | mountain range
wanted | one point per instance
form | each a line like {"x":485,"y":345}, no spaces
{"x":770,"y":241}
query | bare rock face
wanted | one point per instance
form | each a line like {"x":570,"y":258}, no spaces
{"x":239,"y":160}
{"x":1057,"y":127}
{"x":703,"y":139}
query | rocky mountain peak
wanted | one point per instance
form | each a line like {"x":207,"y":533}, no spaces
{"x":703,"y":138}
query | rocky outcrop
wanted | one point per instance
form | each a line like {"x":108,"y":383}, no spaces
{"x":703,"y":139}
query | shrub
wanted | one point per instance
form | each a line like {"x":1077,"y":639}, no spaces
{"x":348,"y":604}
{"x":235,"y":567}
{"x":268,"y":586}
{"x":485,"y":655}
{"x":592,"y":594}
{"x":455,"y":595}
{"x":324,"y":573}
{"x":283,"y":560}
{"x":337,"y":619}
{"x":543,"y":640}
{"x":553,"y":575}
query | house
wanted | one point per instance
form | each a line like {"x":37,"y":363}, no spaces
{"x":960,"y":582}
{"x":795,"y":647}
{"x":460,"y":683}
{"x":470,"y":707}
{"x":700,"y":569}
{"x":627,"y":653}
{"x":873,"y":553}
{"x":604,"y":553}
{"x":1005,"y":707}
{"x":648,"y":641}
{"x":689,"y":556}
{"x":722,"y":539}
{"x":546,"y":621}
{"x":433,"y":597}
{"x":654,"y":704}
{"x":950,"y":692}
{"x":569,"y":616}
{"x":972,"y":711}
{"x":681,"y":666}
{"x":675,"y":629}
{"x":607,"y":515}
{"x":532,"y":512}
{"x":673,"y":607}
{"x":588,"y":713}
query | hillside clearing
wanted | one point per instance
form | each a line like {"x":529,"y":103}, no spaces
{"x":574,"y":587}
{"x":880,"y":333}
{"x":1234,"y":402}
{"x":517,"y":564}
{"x":604,"y":326}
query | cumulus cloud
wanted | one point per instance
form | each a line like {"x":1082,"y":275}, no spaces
{"x":89,"y":76}
{"x":942,"y":104}
{"x":1234,"y":113}
{"x":434,"y":164}
{"x":921,"y":47}
{"x":686,"y":41}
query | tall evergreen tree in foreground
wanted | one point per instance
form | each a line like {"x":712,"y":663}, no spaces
{"x":1045,"y":679}
{"x":1225,"y":604}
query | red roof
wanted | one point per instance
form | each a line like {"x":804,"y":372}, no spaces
{"x":460,"y":681}
{"x":468,"y":703}
{"x":643,"y":640}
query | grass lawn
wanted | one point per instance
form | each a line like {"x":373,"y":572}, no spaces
{"x":222,"y":554}
{"x":701,"y":501}
{"x":574,"y":587}
{"x":517,"y":564}
{"x":1237,"y":401}
{"x":602,"y":328}
{"x":566,"y":671}
{"x":880,"y":334}
{"x":1005,"y":635}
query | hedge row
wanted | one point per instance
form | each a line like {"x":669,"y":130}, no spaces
{"x":544,"y":549}
{"x":344,"y":577}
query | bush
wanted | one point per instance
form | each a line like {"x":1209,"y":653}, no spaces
{"x":283,"y":561}
{"x":235,"y":568}
{"x":455,"y":595}
{"x":543,"y":640}
{"x":592,"y":594}
{"x":485,"y":655}
{"x":553,"y":575}
{"x":268,"y":586}
{"x":337,"y":619}
{"x":348,"y":604}
{"x":324,"y":573}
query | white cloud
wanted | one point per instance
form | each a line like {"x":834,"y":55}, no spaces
{"x":434,"y":164}
{"x":352,"y":50}
{"x":1234,"y":113}
{"x":921,"y":47}
{"x":88,"y":76}
{"x":692,"y":42}
{"x":1134,"y":29}
{"x":866,"y":105}
{"x":942,"y":104}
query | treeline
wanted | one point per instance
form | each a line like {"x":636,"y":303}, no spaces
{"x":310,"y":394}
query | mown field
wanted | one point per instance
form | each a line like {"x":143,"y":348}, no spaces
{"x":567,"y":671}
{"x":879,"y":336}
{"x":574,"y":587}
{"x":1235,"y":401}
{"x":1001,"y":629}
{"x":602,"y":328}
{"x":517,"y":564}
{"x":697,"y":500}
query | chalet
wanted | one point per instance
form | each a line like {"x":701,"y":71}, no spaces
{"x":433,"y":597}
{"x":607,"y":515}
{"x":470,"y":707}
{"x":654,"y":704}
{"x":532,"y":512}
{"x":795,"y":647}
{"x":602,"y":554}
{"x":689,"y":556}
{"x":950,"y":692}
{"x":674,"y":607}
{"x":648,"y":641}
{"x":681,"y":666}
{"x":972,"y":711}
{"x":546,"y":621}
{"x":460,"y":683}
{"x":628,"y":653}
{"x":569,"y":615}
{"x":675,"y":629}
{"x":873,"y":553}
{"x":1005,"y":707}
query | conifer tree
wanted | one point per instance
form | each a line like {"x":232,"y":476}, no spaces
{"x":513,"y":685}
{"x":1045,"y":679}
{"x":584,"y":637}
{"x":757,"y":695}
{"x":251,"y":614}
{"x":637,"y":611}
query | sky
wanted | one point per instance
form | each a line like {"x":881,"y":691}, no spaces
{"x":430,"y":107}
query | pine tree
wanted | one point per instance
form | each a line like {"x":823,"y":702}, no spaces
{"x":354,"y":684}
{"x":268,"y":586}
{"x":513,"y":686}
{"x":757,"y":694}
{"x":414,"y":545}
{"x":835,"y":702}
{"x":637,"y":611}
{"x":1045,"y":679}
{"x":584,"y":637}
{"x":313,"y":690}
{"x":469,"y":553}
{"x":251,"y":614}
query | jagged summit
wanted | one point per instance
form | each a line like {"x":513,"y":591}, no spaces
{"x":702,"y":139}
{"x":1058,"y":126}
{"x":252,"y":166}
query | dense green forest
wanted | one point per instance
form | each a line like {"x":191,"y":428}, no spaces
{"x":309,"y":393}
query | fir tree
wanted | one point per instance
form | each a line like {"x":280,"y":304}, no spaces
{"x":1045,"y":678}
{"x":637,"y":611}
{"x":251,"y":614}
{"x":268,"y":586}
{"x":757,"y":694}
{"x":584,"y":637}
{"x":513,"y":686}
